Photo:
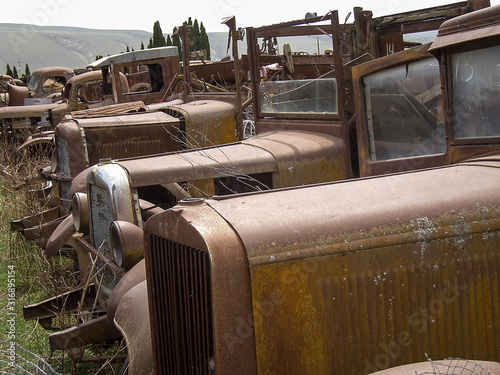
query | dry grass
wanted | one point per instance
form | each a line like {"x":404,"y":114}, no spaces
{"x":36,"y":278}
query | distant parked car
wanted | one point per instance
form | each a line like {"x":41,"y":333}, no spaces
{"x":49,"y":82}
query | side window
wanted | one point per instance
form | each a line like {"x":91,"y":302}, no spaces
{"x":53,"y":84}
{"x":89,"y":92}
{"x":403,"y":108}
{"x":146,"y":78}
{"x":476,"y":89}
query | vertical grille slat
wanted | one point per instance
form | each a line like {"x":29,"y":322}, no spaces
{"x":182,"y":317}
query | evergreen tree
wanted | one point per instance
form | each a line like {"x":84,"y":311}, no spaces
{"x":150,"y":44}
{"x":204,"y":42}
{"x":176,"y":41}
{"x":27,"y":72}
{"x":158,"y":37}
{"x":169,"y":41}
{"x":8,"y":70}
{"x":142,"y":45}
{"x":128,"y":49}
{"x":194,"y":36}
{"x":14,"y":72}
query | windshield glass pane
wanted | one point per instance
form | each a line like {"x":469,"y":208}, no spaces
{"x":299,"y":96}
{"x":403,"y":111}
{"x":33,"y":82}
{"x":476,"y":89}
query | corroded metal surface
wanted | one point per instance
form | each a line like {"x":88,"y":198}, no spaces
{"x":369,"y":273}
{"x":132,"y":318}
{"x":480,"y":24}
{"x":182,"y":232}
{"x":293,"y":158}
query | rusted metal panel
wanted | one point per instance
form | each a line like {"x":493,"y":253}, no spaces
{"x":132,"y":320}
{"x":422,"y":16}
{"x":293,"y":157}
{"x":69,"y":302}
{"x":227,"y":357}
{"x":473,"y":26}
{"x":422,"y":265}
{"x":206,"y":122}
{"x":75,"y":339}
{"x":450,"y":186}
{"x":390,"y":40}
{"x":29,"y":111}
{"x":362,"y":311}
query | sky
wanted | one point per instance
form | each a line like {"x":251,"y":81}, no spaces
{"x":141,"y":15}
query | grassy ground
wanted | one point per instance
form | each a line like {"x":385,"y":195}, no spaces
{"x":27,"y":277}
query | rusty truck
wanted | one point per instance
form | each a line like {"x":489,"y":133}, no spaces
{"x":345,"y":277}
{"x":304,"y":137}
{"x":148,"y":120}
{"x":110,"y":80}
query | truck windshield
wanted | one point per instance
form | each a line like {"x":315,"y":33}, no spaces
{"x":403,"y":111}
{"x":34,"y":81}
{"x":299,"y":96}
{"x":476,"y":89}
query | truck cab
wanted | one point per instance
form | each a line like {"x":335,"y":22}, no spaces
{"x":108,"y":81}
{"x":346,"y":277}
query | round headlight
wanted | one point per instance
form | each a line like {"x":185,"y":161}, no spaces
{"x":80,"y":213}
{"x":127,"y":242}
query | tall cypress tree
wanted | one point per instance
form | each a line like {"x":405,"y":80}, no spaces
{"x":176,"y":41}
{"x":204,"y":42}
{"x":8,"y":70}
{"x":195,"y":36}
{"x":158,"y":37}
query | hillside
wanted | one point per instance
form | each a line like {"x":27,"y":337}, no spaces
{"x":74,"y":47}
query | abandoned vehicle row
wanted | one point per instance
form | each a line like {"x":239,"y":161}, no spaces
{"x":354,"y":230}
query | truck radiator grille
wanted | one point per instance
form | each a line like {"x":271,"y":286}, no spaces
{"x":116,"y":150}
{"x":101,"y":216}
{"x":180,"y":295}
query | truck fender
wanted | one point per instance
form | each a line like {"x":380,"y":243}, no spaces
{"x":136,"y":275}
{"x":60,"y":236}
{"x":132,"y":320}
{"x":44,"y":139}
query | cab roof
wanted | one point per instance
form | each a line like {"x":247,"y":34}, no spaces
{"x":483,"y":23}
{"x":135,"y":56}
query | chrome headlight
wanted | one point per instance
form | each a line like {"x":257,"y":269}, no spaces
{"x":80,"y":212}
{"x":127,"y":243}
